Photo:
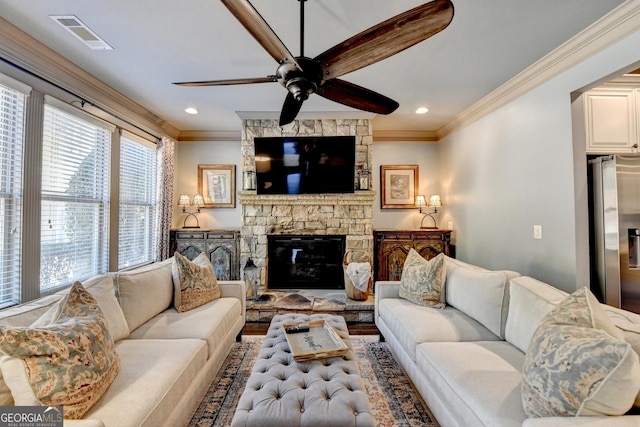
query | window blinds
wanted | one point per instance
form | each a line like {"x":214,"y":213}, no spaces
{"x":75,"y":196}
{"x":12,"y":105}
{"x":137,"y":201}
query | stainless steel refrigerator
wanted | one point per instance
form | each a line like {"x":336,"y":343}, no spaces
{"x":615,"y":230}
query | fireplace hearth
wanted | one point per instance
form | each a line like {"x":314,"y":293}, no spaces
{"x":305,"y":262}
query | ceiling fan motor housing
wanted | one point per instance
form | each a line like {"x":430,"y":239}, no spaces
{"x":300,"y":82}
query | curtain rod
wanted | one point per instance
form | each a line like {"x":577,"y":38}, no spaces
{"x":83,"y":101}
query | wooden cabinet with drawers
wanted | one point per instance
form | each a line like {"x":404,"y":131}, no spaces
{"x":221,"y":246}
{"x":392,"y":246}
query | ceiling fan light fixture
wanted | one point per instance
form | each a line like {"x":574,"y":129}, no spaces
{"x":191,"y":110}
{"x":422,"y":110}
{"x":301,"y":88}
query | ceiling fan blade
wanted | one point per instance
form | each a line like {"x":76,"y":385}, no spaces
{"x":387,"y":38}
{"x":356,"y":96}
{"x":268,"y":79}
{"x":290,"y":109}
{"x":260,"y":30}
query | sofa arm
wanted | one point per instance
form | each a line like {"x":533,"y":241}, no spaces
{"x":385,"y":289}
{"x":234,"y":289}
{"x":621,"y":421}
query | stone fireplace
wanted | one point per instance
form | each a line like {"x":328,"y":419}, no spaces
{"x":349,"y":215}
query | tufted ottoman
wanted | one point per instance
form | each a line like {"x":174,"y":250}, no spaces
{"x":323,"y":392}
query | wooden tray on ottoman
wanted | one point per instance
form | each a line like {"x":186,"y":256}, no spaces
{"x":321,"y":341}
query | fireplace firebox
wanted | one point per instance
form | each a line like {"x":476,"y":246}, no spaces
{"x":305,"y":262}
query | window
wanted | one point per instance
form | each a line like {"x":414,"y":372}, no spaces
{"x":138,"y":190}
{"x":75,"y":196}
{"x":12,"y":103}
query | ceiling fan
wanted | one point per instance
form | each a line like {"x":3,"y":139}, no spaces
{"x":302,"y":76}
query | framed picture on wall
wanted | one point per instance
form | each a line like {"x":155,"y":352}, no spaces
{"x":399,"y":184}
{"x":217,"y":184}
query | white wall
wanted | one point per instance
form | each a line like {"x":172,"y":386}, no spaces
{"x":423,"y":155}
{"x":515,"y":168}
{"x":188,"y":156}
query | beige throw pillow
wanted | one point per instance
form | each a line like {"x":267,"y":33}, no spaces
{"x":70,"y":362}
{"x":194,"y":282}
{"x":577,"y":365}
{"x":422,"y":281}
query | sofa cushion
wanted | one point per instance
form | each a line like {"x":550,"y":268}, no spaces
{"x":209,"y":322}
{"x":479,"y":380}
{"x":628,"y":323}
{"x":481,"y":294}
{"x":413,"y":324}
{"x":194,"y":282}
{"x":27,"y":313}
{"x":103,"y":288}
{"x":529,"y":301}
{"x":577,"y":363}
{"x":145,"y":292}
{"x":422,"y":281}
{"x":69,"y":362}
{"x":154,"y":376}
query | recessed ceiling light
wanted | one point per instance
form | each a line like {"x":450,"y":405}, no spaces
{"x":422,"y":110}
{"x":191,"y":110}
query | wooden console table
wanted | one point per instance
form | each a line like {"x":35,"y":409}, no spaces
{"x":221,"y":246}
{"x":392,"y":246}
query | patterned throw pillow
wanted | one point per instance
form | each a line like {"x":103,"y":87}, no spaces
{"x":422,"y":281}
{"x":577,"y":365}
{"x":194,"y":282}
{"x":70,"y":362}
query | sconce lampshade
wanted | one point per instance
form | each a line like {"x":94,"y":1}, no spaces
{"x":421,"y":201}
{"x":198,"y":201}
{"x":435,"y":201}
{"x":184,"y":201}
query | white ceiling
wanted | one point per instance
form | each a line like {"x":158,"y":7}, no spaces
{"x":157,"y":42}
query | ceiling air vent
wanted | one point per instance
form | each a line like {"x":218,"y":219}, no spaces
{"x":76,"y":27}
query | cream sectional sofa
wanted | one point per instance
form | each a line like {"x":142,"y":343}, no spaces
{"x":466,"y":360}
{"x":167,"y":358}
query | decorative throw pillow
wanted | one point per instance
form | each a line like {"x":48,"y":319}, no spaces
{"x":70,"y":362}
{"x":575,"y":367}
{"x":422,"y":281}
{"x":194,"y":282}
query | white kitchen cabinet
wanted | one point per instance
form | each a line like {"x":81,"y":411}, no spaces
{"x":612,"y":120}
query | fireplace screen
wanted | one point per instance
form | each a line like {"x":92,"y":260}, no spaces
{"x":305,"y":262}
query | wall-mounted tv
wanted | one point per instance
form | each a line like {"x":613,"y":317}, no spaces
{"x":305,"y":165}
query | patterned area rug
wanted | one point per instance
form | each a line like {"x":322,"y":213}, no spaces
{"x":393,"y":399}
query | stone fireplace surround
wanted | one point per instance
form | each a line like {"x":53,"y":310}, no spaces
{"x":349,"y":214}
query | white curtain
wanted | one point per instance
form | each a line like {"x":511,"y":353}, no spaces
{"x":166,"y":165}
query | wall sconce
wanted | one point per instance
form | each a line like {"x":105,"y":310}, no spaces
{"x":434,"y":202}
{"x":198,"y":202}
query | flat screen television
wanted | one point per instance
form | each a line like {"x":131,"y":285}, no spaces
{"x":305,"y":165}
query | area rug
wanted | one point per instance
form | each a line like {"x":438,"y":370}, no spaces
{"x":393,"y":399}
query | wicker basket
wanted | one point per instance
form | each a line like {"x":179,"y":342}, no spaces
{"x":353,"y":292}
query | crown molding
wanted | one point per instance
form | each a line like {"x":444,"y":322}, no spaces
{"x":209,"y":136}
{"x":619,"y":23}
{"x":406,"y":136}
{"x":24,"y":51}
